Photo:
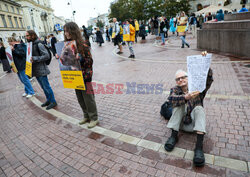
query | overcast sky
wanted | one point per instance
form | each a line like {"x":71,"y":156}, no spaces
{"x":84,"y":9}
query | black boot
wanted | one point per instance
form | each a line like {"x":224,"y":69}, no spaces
{"x":199,"y":158}
{"x":172,"y":140}
{"x":45,"y":104}
{"x":188,"y":45}
{"x":51,"y":105}
{"x":182,"y":46}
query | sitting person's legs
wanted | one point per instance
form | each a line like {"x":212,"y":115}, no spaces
{"x":199,"y":118}
{"x":174,"y":123}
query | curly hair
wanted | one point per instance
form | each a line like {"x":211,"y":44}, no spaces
{"x":75,"y":34}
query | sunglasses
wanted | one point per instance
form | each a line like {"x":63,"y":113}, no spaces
{"x":180,"y":78}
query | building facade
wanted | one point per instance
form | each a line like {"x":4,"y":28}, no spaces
{"x":11,"y":20}
{"x":102,"y":17}
{"x":38,"y":16}
{"x":197,"y":5}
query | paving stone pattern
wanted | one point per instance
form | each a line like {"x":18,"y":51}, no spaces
{"x":35,"y":143}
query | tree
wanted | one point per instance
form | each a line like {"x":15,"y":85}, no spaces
{"x":99,"y":24}
{"x":145,"y":9}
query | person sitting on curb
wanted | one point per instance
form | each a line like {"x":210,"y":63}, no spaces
{"x":188,"y":114}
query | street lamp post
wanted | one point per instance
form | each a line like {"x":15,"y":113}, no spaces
{"x":73,"y":11}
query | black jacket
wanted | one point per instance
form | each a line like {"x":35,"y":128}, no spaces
{"x":2,"y":53}
{"x":162,"y":25}
{"x":19,"y":56}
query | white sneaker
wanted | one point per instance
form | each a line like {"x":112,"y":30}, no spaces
{"x":24,"y":94}
{"x":29,"y":96}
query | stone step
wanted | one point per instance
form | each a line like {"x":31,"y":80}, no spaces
{"x":239,"y":24}
{"x":237,"y":16}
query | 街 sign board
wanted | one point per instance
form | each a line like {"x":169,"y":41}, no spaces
{"x":198,"y":66}
{"x":69,"y":64}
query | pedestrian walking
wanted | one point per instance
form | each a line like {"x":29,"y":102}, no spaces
{"x":99,"y":38}
{"x":129,"y":37}
{"x":107,"y":34}
{"x":86,"y":98}
{"x":19,"y":58}
{"x":4,"y":60}
{"x":136,"y":30}
{"x":193,"y":24}
{"x":116,"y":35}
{"x":53,"y":41}
{"x":183,"y":22}
{"x":167,"y":28}
{"x":162,"y":30}
{"x":40,"y":69}
{"x":156,"y":26}
{"x":142,"y":31}
{"x":172,"y":25}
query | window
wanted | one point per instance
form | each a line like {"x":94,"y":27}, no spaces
{"x":4,"y":21}
{"x":21,"y":22}
{"x":13,"y":10}
{"x":6,"y":7}
{"x":10,"y":20}
{"x":17,"y":25}
{"x":17,"y":10}
{"x":0,"y":7}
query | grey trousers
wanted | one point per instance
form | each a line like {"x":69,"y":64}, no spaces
{"x":87,"y":103}
{"x":198,"y":119}
{"x":131,"y":48}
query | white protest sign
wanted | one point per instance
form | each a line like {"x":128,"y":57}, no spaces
{"x":198,"y":67}
{"x":29,"y":52}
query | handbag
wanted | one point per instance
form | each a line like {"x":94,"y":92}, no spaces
{"x":166,"y":110}
{"x":165,"y":29}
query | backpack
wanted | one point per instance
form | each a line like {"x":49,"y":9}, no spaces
{"x":166,"y":110}
{"x":48,"y":50}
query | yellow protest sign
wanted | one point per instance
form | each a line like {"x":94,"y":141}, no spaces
{"x":73,"y":80}
{"x":181,"y":29}
{"x":28,"y":69}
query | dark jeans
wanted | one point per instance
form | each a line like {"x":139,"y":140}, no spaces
{"x":25,"y":80}
{"x":86,"y":99}
{"x":44,"y":83}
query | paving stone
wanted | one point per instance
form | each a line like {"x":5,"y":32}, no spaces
{"x":177,"y":152}
{"x":230,"y":163}
{"x":149,"y":144}
{"x":129,"y":139}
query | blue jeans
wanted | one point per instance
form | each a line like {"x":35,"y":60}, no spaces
{"x":44,"y":83}
{"x":25,"y":80}
{"x":162,"y":37}
{"x":184,"y":41}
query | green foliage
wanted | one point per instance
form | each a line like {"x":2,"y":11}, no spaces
{"x":99,"y":24}
{"x":145,"y":9}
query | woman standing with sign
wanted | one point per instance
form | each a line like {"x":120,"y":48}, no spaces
{"x":86,"y":98}
{"x":182,"y":28}
{"x":129,"y":36}
{"x":19,"y":57}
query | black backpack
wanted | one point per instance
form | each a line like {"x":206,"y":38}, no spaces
{"x":48,"y":50}
{"x":166,"y":110}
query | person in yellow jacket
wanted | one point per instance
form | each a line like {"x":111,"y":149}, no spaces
{"x":136,"y":30}
{"x":129,"y":37}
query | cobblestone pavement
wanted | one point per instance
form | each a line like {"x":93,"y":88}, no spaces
{"x":34,"y":142}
